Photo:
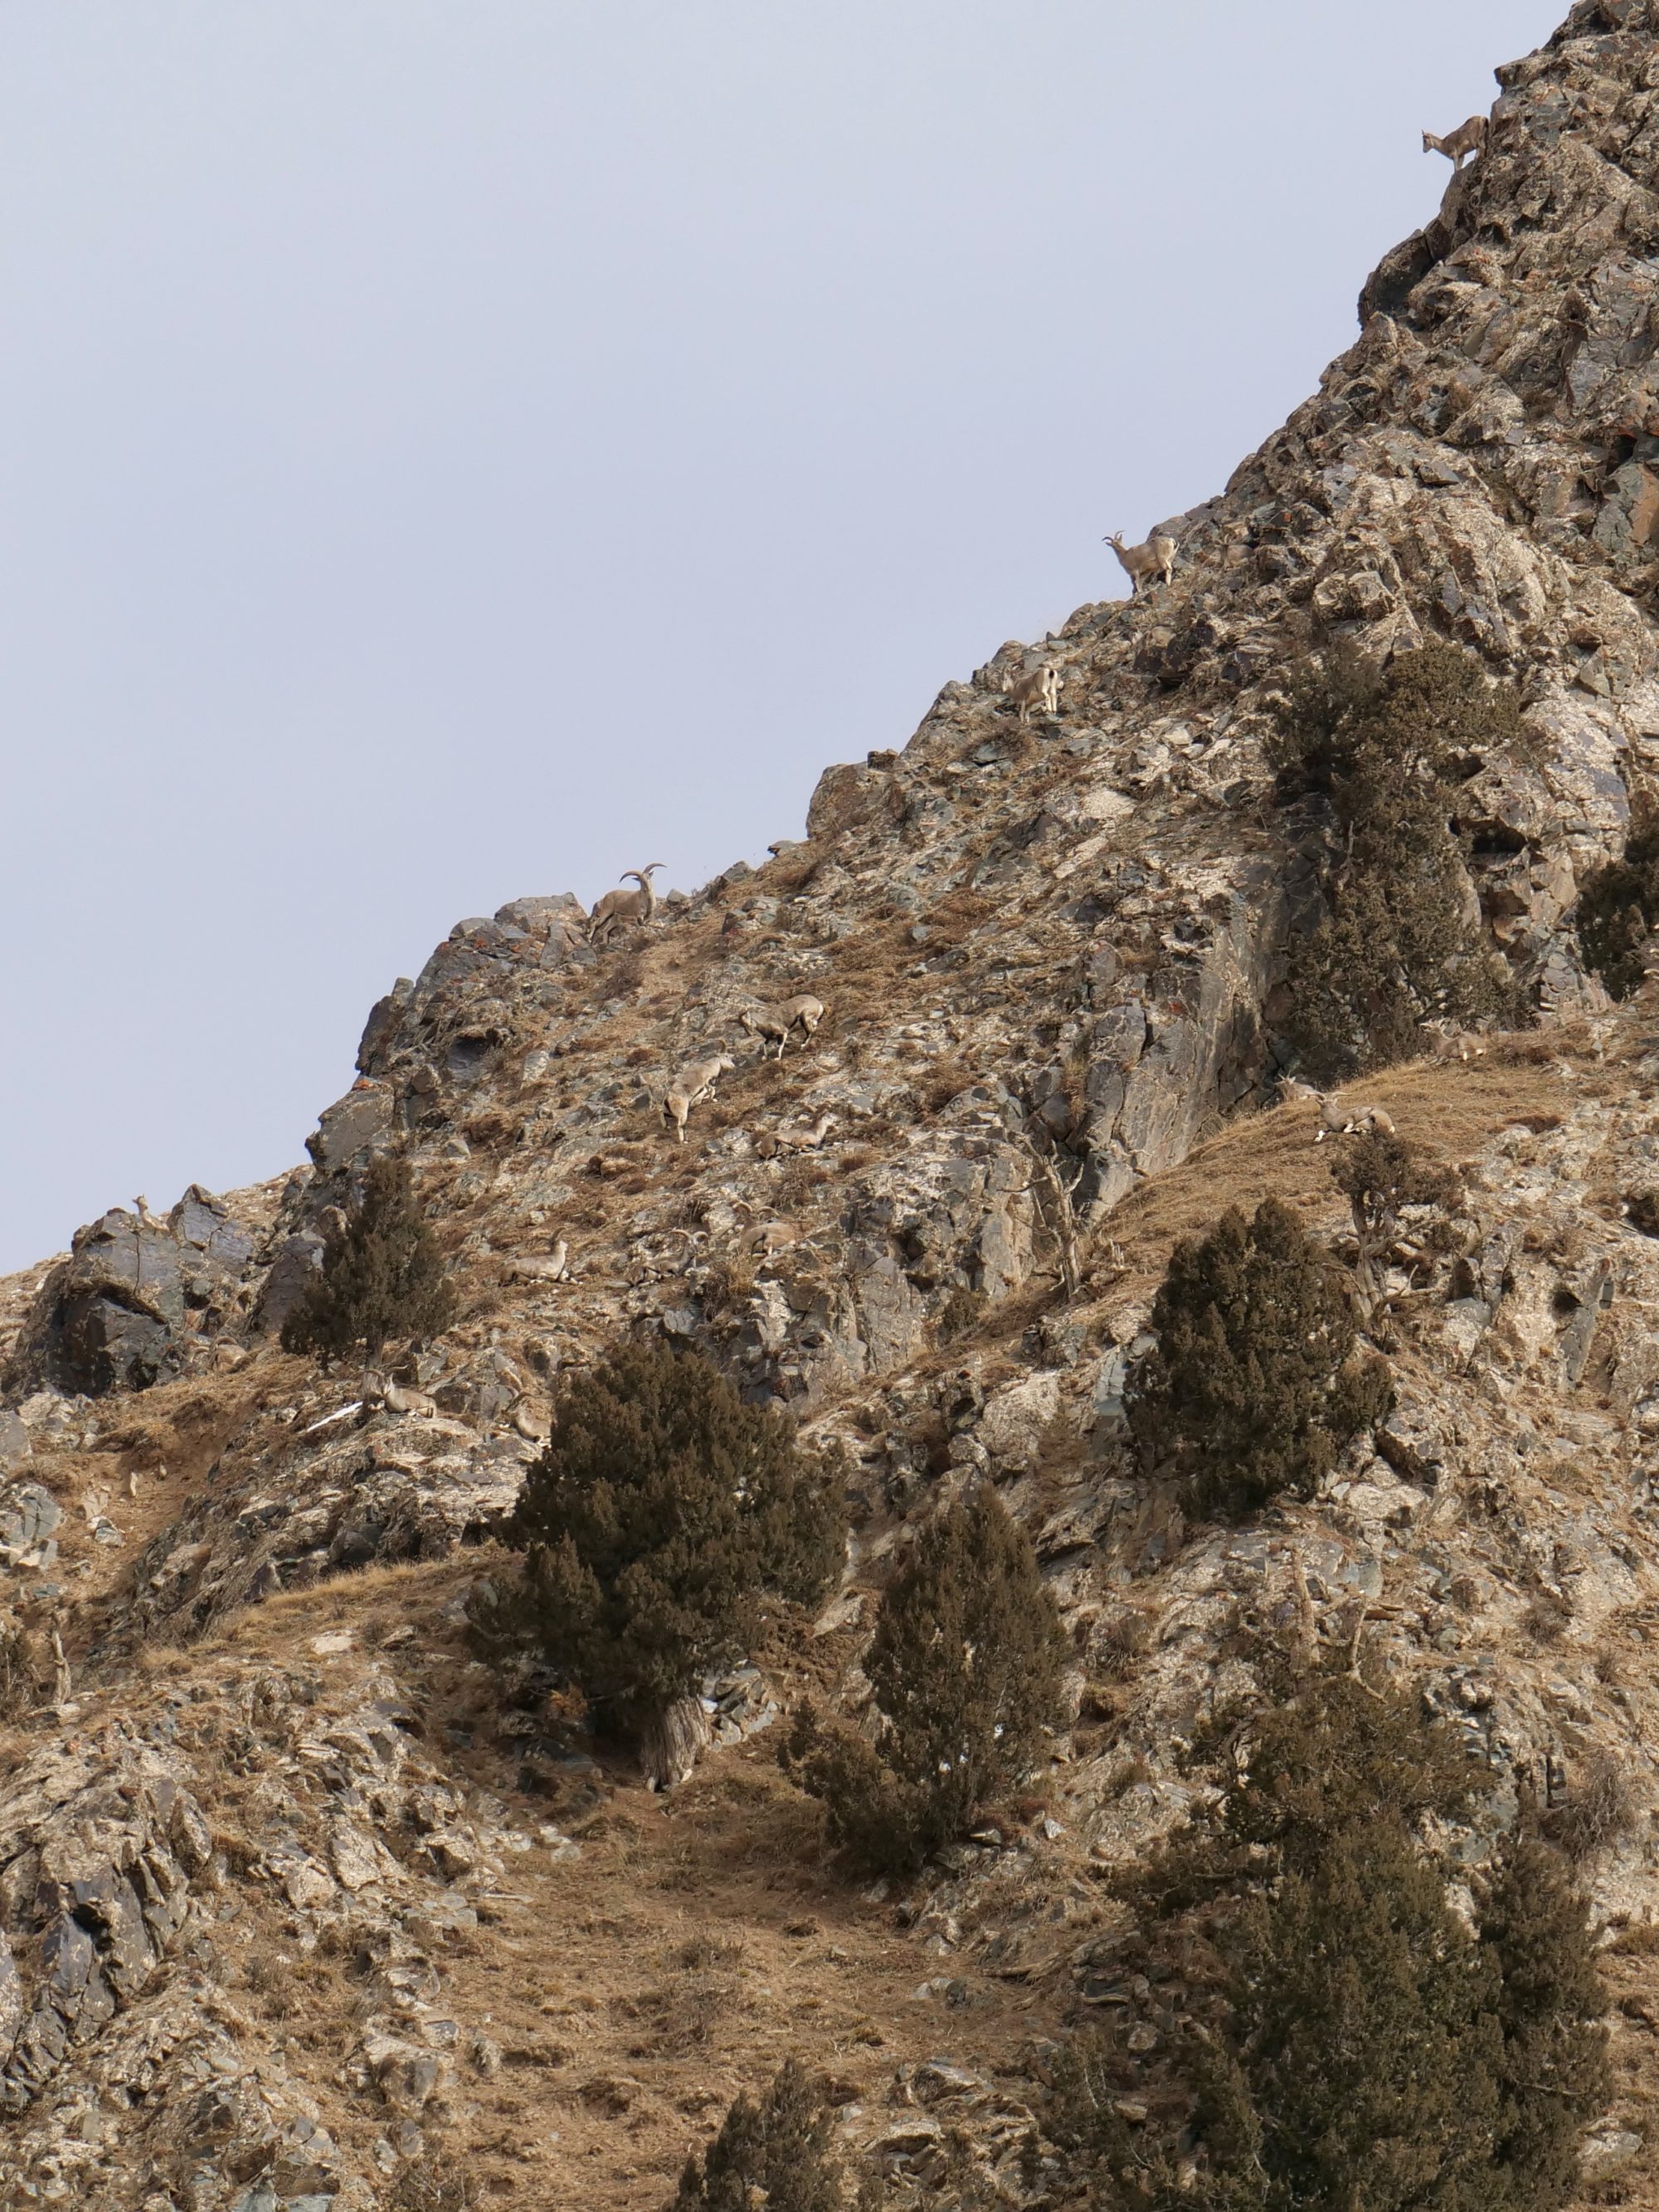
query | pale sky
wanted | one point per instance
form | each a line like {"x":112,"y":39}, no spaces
{"x":455,"y":452}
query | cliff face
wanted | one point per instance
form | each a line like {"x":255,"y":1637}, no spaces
{"x":287,"y":1900}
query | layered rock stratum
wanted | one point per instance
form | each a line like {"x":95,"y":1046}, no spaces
{"x":291,"y":1905}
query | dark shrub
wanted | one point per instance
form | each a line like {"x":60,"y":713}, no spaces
{"x":1618,"y":907}
{"x":661,"y":1512}
{"x":1431,"y":714}
{"x":1250,"y":1390}
{"x":1396,"y":944}
{"x":1348,"y":2041}
{"x":383,"y":1275}
{"x":1554,"y":2073}
{"x":966,"y":1663}
{"x":1327,"y":1752}
{"x":776,"y":2153}
{"x":1362,"y":2058}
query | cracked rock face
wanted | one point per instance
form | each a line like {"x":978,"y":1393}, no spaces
{"x":135,"y":1296}
{"x":97,"y":1852}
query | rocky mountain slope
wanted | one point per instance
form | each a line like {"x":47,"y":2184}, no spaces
{"x":292,"y":1906}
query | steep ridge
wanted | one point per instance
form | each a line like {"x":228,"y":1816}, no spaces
{"x":289,"y":1901}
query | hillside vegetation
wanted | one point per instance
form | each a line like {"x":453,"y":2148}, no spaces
{"x":1060,"y":1608}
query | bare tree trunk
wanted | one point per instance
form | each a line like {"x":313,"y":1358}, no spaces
{"x":1373,"y":1239}
{"x":669,"y":1749}
{"x":1054,"y":1203}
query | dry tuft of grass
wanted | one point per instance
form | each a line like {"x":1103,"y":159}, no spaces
{"x":440,"y":2182}
{"x":1601,"y":1812}
{"x":1120,"y":1642}
{"x":943,"y":1082}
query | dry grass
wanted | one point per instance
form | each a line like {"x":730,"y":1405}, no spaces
{"x":1601,"y":1812}
{"x":945,"y":1080}
{"x":676,"y":1972}
{"x":632,"y":1992}
{"x":440,"y":2182}
{"x":1120,"y":1641}
{"x":1451,"y":1110}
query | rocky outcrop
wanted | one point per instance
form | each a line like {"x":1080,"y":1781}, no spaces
{"x":125,"y":1309}
{"x":352,"y":1488}
{"x":1082,"y":928}
{"x":99,"y":1847}
{"x":123,"y":1909}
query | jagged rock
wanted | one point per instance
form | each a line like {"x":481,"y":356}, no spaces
{"x":941,"y":2080}
{"x":97,"y":1853}
{"x":297,"y":1260}
{"x":119,"y":1312}
{"x":358,"y":1122}
{"x":16,"y":1448}
{"x":29,"y":1517}
{"x":1016,"y":1421}
{"x":405,"y":2074}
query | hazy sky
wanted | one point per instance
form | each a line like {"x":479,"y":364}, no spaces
{"x":450,"y":451}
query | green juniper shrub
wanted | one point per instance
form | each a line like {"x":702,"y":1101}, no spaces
{"x":1396,"y":943}
{"x":383,"y":1275}
{"x":1345,"y":2039}
{"x":662,"y":1512}
{"x":1253,"y":1385}
{"x":966,"y":1663}
{"x":1431,"y":712}
{"x":1362,"y":2052}
{"x":1333,"y":1750}
{"x":1618,"y":908}
{"x":1375,"y":2052}
{"x":775,"y":2152}
{"x":1553,"y":2075}
{"x":1327,"y":1750}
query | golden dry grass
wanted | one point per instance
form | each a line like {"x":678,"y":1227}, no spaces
{"x":1451,"y":1110}
{"x":699,"y":1938}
